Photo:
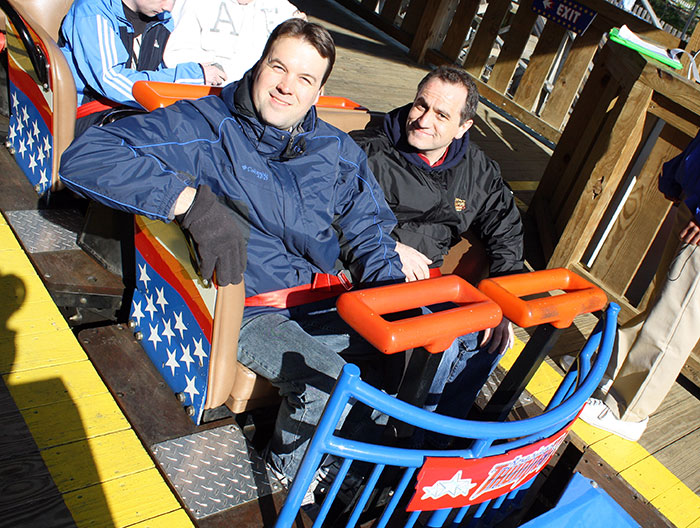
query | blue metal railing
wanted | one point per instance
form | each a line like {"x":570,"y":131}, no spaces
{"x":575,"y":388}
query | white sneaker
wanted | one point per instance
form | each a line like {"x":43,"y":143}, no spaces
{"x":599,"y":415}
{"x":283,"y":479}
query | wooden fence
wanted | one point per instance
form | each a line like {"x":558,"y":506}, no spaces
{"x":531,"y":67}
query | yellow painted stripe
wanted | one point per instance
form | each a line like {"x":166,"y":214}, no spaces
{"x":679,"y":504}
{"x":81,"y":464}
{"x":636,"y":465}
{"x":35,"y":318}
{"x":620,"y":454}
{"x":93,"y":455}
{"x":15,"y":263}
{"x":123,"y":501}
{"x":39,"y":350}
{"x":176,"y":519}
{"x":44,"y":386}
{"x":650,"y":477}
{"x":64,"y":422}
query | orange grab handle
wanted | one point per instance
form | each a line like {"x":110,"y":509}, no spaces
{"x":363,"y":310}
{"x":156,"y":94}
{"x":580,"y":297}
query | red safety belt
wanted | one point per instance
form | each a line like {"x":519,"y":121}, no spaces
{"x":92,"y":107}
{"x":324,"y":286}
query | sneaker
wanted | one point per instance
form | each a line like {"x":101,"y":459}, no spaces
{"x":283,"y":479}
{"x":599,"y":415}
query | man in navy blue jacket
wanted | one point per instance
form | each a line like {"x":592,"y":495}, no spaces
{"x":256,"y":168}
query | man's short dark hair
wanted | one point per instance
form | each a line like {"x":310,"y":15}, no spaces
{"x":314,"y":34}
{"x":452,"y":75}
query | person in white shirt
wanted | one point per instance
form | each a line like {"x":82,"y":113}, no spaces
{"x":229,"y":33}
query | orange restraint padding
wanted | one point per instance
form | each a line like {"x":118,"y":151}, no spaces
{"x":324,"y":286}
{"x":363,"y":310}
{"x":154,"y":94}
{"x":580,"y":297}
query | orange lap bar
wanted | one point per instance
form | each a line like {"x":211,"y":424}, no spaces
{"x":154,"y":94}
{"x":580,"y":297}
{"x":363,"y":310}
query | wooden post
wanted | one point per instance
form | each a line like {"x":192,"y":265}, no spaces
{"x":427,"y":31}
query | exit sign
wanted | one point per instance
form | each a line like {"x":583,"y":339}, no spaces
{"x":568,"y":13}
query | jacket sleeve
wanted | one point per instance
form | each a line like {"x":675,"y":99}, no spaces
{"x":185,"y":42}
{"x":366,"y":222}
{"x":101,"y":60}
{"x":680,"y":177}
{"x":119,"y":165}
{"x":499,"y":225}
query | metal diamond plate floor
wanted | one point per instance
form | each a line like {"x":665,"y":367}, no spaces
{"x":215,"y":470}
{"x":46,"y":229}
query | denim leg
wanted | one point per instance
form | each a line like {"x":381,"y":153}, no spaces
{"x":302,"y":358}
{"x":460,"y":376}
{"x":453,"y":363}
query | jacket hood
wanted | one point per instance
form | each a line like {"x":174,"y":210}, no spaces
{"x":268,"y":140}
{"x":395,"y":129}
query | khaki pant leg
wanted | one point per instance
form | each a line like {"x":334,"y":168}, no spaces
{"x":653,"y":350}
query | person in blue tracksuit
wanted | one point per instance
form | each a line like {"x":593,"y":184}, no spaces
{"x":110,"y":44}
{"x":255,"y":168}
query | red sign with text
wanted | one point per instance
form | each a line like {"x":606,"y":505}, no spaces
{"x":456,"y":482}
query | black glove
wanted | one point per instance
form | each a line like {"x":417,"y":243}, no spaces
{"x":219,"y":240}
{"x":500,"y":337}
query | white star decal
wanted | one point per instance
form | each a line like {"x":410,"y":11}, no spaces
{"x":161,"y":299}
{"x":20,"y":125}
{"x":30,"y":140}
{"x":32,"y":162}
{"x":172,"y":361}
{"x":167,"y":330}
{"x":25,"y":114}
{"x":43,"y":179}
{"x":154,"y":337}
{"x":15,"y":101}
{"x":199,"y":350}
{"x":191,"y":389}
{"x":186,"y":357}
{"x":143,"y":276}
{"x":47,"y":145}
{"x":179,"y":325}
{"x":40,"y":155}
{"x":22,"y":148}
{"x":150,"y":307}
{"x":35,"y":126}
{"x":12,"y":132}
{"x":138,"y":314}
{"x":454,"y":487}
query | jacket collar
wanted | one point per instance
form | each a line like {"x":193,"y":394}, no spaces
{"x":118,"y":10}
{"x":395,"y":129}
{"x":268,"y":140}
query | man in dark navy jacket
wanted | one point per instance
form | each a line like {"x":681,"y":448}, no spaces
{"x":256,"y":168}
{"x":439,"y":185}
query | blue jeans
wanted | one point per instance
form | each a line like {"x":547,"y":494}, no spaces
{"x":462,"y":372}
{"x":302,"y":354}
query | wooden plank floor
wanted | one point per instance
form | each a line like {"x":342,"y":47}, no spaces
{"x":74,"y":455}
